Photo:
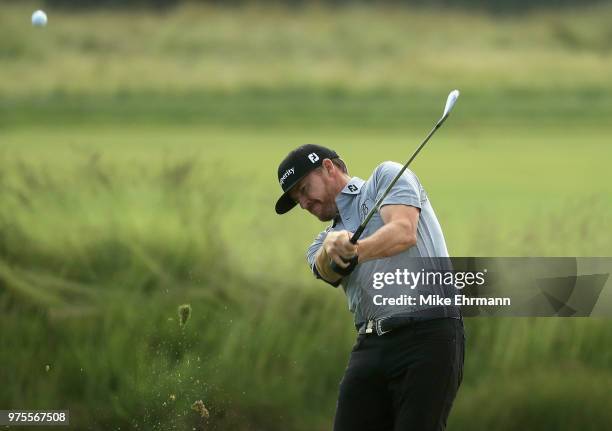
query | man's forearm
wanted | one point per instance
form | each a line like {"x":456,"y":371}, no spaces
{"x":391,"y":239}
{"x":323,"y":264}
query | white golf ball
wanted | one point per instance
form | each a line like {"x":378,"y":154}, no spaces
{"x":39,"y":18}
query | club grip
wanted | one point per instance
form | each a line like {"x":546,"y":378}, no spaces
{"x":357,"y":234}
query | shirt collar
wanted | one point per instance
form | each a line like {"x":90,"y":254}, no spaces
{"x":353,"y":187}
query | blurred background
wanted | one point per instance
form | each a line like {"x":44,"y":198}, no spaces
{"x":139,"y":142}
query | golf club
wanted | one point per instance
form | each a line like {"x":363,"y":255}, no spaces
{"x":450,"y":102}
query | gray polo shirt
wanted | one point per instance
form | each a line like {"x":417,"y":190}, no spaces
{"x":354,"y":202}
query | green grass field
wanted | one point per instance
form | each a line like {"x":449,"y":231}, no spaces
{"x":137,"y":172}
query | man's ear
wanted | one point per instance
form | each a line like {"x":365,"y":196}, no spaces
{"x":328,"y":165}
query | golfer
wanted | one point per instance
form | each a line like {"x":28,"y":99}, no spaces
{"x":407,"y":363}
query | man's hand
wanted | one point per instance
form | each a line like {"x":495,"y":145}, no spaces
{"x":335,"y":247}
{"x":338,"y":246}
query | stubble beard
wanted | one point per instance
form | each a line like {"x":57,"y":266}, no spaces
{"x":328,"y":213}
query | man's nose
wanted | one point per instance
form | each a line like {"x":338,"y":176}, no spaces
{"x":303,"y":202}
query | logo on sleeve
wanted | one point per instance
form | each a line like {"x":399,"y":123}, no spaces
{"x":313,"y":157}
{"x":286,"y":174}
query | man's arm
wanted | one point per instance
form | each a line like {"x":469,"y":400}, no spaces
{"x":335,"y":245}
{"x":400,"y":212}
{"x":323,"y":268}
{"x":399,"y":233}
{"x":319,"y":259}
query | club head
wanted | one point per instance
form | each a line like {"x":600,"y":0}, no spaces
{"x":450,"y":102}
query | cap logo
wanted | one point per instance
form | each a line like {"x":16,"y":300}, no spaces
{"x":286,"y":174}
{"x":313,"y":157}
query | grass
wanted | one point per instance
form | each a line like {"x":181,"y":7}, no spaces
{"x":163,"y":216}
{"x":293,"y":107}
{"x":137,"y":174}
{"x":526,"y":181}
{"x":554,"y":401}
{"x":196,"y":47}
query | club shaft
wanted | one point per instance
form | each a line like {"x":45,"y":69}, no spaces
{"x":364,"y":223}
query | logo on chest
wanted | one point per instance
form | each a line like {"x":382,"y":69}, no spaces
{"x":364,"y":209}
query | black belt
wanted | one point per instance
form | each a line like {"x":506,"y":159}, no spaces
{"x":387,"y":324}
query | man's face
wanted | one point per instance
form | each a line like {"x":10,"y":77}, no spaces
{"x":315,"y":193}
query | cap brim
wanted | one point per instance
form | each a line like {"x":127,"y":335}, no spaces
{"x":285,"y":204}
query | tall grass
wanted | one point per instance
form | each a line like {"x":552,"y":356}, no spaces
{"x":354,"y":48}
{"x":92,"y":272}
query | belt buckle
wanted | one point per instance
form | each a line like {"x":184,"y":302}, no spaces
{"x":379,"y":329}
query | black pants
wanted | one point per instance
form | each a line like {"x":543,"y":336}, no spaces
{"x":404,"y":380}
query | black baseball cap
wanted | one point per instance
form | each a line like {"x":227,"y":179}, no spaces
{"x":299,"y":163}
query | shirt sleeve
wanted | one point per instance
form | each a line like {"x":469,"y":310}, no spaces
{"x":311,"y":253}
{"x":406,"y":191}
